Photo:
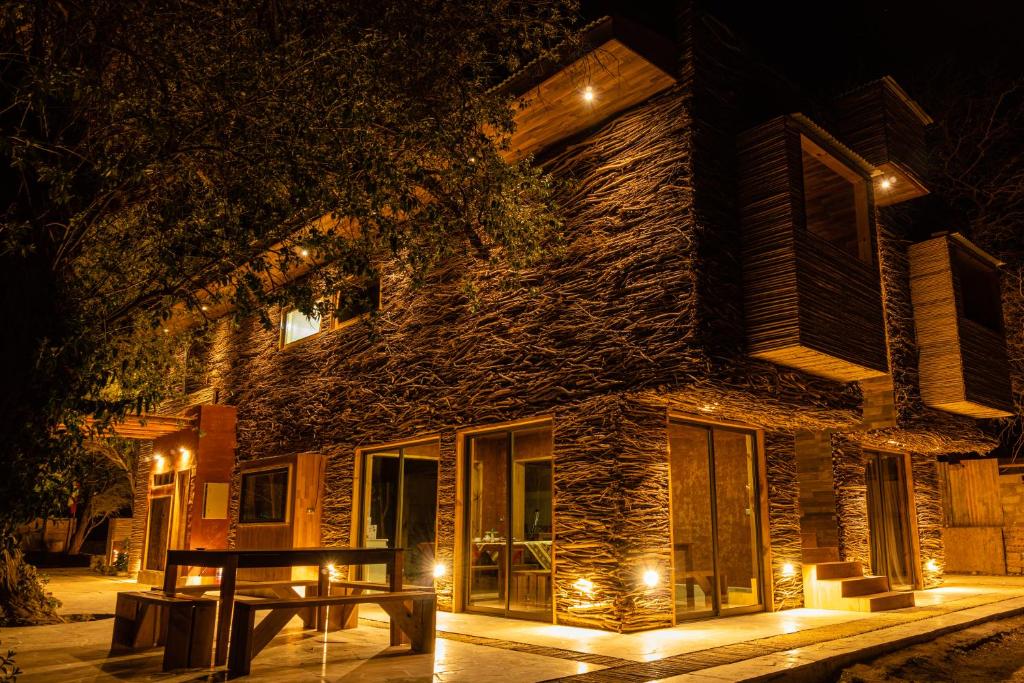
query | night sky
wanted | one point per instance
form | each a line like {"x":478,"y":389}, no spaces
{"x":829,"y":46}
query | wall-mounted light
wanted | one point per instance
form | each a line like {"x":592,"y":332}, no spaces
{"x":931,"y":565}
{"x":585,"y":586}
{"x":588,"y":94}
{"x":440,"y":570}
{"x":158,"y":461}
{"x":788,"y":569}
{"x":185,"y":455}
{"x":651,"y":578}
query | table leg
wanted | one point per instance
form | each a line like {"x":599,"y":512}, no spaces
{"x":227,"y":604}
{"x":396,"y":585}
{"x":170,"y":578}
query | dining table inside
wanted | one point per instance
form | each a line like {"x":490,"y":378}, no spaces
{"x":229,"y":561}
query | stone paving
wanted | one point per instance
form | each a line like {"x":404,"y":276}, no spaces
{"x":794,"y":644}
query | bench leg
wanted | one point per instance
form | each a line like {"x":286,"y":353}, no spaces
{"x":204,"y":616}
{"x":240,"y":652}
{"x":424,"y":617}
{"x":179,"y":634}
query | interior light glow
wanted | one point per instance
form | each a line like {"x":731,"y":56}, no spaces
{"x":185,"y":455}
{"x":439,"y":570}
{"x":651,"y":578}
{"x":585,"y":586}
{"x":588,"y":94}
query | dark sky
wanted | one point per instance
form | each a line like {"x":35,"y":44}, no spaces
{"x":831,"y":44}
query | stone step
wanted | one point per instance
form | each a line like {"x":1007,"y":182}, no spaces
{"x":838,"y":570}
{"x":880,"y":602}
{"x":863,"y":585}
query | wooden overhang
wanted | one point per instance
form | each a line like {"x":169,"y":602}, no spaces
{"x":882,"y":123}
{"x":618,"y":65}
{"x":810,"y":303}
{"x":963,"y":364}
{"x":147,"y":427}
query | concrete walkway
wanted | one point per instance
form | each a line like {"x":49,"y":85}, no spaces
{"x":795,"y":644}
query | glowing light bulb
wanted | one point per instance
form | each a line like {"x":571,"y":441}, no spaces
{"x":788,"y":569}
{"x":185,"y":455}
{"x":886,"y":183}
{"x":204,"y":307}
{"x":303,"y":253}
{"x":651,"y":578}
{"x":585,"y":586}
{"x":932,"y":566}
{"x":588,"y":94}
{"x":439,"y":570}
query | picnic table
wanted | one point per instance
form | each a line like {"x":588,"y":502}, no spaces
{"x":229,"y":561}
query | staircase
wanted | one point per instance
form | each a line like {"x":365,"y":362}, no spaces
{"x":843,"y":585}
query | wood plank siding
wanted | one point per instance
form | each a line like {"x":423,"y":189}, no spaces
{"x":793,"y":277}
{"x":882,"y":124}
{"x":963,"y":364}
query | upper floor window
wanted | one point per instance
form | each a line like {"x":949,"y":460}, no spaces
{"x":835,"y":201}
{"x":296,"y":325}
{"x":356,"y":302}
{"x":978,"y":289}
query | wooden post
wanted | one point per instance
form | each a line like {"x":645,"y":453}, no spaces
{"x":170,"y":576}
{"x":323,"y":587}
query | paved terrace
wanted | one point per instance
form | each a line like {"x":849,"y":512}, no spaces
{"x":800,"y":644}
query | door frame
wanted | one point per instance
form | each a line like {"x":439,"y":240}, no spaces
{"x":357,"y":522}
{"x":906,"y":465}
{"x":766,"y":579}
{"x":462,"y":513}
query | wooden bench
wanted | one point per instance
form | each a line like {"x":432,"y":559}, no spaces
{"x":418,"y":622}
{"x":183,"y":624}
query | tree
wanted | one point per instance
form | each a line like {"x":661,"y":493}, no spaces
{"x":166,"y":157}
{"x":102,"y":486}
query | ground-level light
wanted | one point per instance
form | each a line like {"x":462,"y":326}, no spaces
{"x":585,"y":586}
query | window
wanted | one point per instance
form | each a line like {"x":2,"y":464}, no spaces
{"x":835,"y":202}
{"x":264,"y":496}
{"x":163,"y":478}
{"x":296,"y":325}
{"x":215,"y":501}
{"x":357,"y":302}
{"x":978,"y":290}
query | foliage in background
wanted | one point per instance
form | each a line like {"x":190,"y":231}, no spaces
{"x":161,"y":158}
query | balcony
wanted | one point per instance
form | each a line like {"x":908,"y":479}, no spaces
{"x":884,"y":125}
{"x":812,"y":292}
{"x":964,"y":368}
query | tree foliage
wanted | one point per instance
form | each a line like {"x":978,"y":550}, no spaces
{"x":167,"y":156}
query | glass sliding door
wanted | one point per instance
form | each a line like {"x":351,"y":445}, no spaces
{"x":509,"y":530}
{"x":400,"y":508}
{"x":715,"y":530}
{"x":892,"y":551}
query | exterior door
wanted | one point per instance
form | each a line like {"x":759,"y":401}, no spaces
{"x":159,"y":533}
{"x":715,"y":529}
{"x":400,"y":508}
{"x":892,"y":550}
{"x":509,"y":534}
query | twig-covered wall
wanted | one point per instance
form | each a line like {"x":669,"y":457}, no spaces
{"x":783,"y":521}
{"x":928,"y":504}
{"x":851,"y":501}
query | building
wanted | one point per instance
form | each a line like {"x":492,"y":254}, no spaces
{"x":737,"y":377}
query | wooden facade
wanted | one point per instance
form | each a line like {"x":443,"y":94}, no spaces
{"x":885,"y":126}
{"x":637,"y":325}
{"x":794,"y":278}
{"x":964,"y":366}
